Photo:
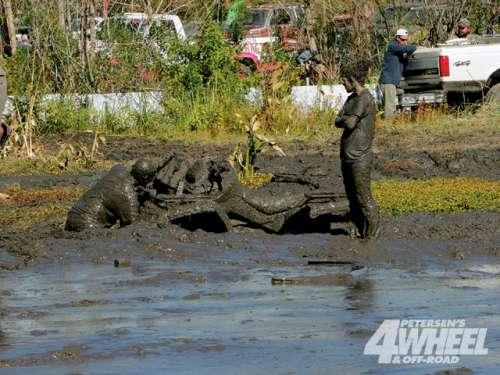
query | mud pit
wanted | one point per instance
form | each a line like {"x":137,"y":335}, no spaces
{"x":197,"y":302}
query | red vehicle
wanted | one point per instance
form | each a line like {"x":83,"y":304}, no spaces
{"x":274,"y":21}
{"x":266,"y":25}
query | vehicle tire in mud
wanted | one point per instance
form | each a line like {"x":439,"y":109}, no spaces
{"x":493,"y":95}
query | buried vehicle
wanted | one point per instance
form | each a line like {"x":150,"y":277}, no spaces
{"x":207,"y":195}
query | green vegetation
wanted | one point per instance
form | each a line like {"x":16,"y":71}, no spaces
{"x":204,"y":90}
{"x":244,"y":160}
{"x":437,"y":195}
{"x":26,"y":207}
{"x":23,"y":208}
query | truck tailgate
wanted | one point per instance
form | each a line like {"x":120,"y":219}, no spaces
{"x":422,"y":70}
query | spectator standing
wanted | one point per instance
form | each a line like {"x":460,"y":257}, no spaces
{"x":463,"y":33}
{"x":463,"y":28}
{"x":395,"y":59}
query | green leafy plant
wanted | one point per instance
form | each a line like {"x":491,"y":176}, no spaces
{"x":244,"y":161}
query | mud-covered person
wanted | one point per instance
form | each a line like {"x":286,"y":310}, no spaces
{"x":357,"y":118}
{"x":113,"y":199}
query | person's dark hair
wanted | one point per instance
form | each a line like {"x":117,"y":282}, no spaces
{"x":357,"y":70}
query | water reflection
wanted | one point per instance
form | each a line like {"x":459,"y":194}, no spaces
{"x":326,"y":318}
{"x":360,"y":295}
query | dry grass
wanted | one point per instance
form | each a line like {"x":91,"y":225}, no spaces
{"x":438,"y":130}
{"x":23,"y":208}
{"x":26,"y":217}
{"x":255,"y":180}
{"x":16,"y":196}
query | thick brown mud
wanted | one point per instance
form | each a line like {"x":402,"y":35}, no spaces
{"x":156,"y":298}
{"x":455,"y":238}
{"x":319,"y":160}
{"x":144,"y":299}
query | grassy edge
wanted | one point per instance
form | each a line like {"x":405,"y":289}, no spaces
{"x":395,"y":197}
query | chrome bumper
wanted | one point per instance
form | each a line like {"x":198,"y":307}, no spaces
{"x":414,"y":99}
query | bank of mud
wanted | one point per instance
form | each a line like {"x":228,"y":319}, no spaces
{"x":450,"y":239}
{"x":156,"y":299}
{"x":314,"y":162}
{"x":315,"y":159}
{"x":160,"y":298}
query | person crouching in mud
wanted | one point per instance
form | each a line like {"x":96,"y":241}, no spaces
{"x":357,"y":118}
{"x":112,"y":199}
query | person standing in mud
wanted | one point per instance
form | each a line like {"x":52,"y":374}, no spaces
{"x":357,"y":118}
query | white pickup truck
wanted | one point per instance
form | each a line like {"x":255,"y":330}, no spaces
{"x":154,"y":28}
{"x":448,"y":72}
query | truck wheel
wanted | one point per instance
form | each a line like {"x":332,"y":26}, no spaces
{"x":493,"y":95}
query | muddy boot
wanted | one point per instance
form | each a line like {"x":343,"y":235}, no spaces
{"x":373,"y":220}
{"x":354,"y":233}
{"x":374,"y":235}
{"x":4,"y":135}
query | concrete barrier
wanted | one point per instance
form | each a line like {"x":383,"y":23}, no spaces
{"x":304,"y":98}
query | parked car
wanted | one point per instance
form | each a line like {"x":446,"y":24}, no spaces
{"x":23,"y":38}
{"x":274,"y":20}
{"x":434,"y":75}
{"x":265,"y":26}
{"x":161,"y":27}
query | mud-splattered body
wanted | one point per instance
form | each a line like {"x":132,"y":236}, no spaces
{"x":356,"y":154}
{"x":112,"y":199}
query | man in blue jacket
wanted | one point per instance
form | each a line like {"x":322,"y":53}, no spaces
{"x":394,"y":62}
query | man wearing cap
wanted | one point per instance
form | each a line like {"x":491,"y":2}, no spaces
{"x":463,"y":28}
{"x":462,"y":33}
{"x":394,"y":62}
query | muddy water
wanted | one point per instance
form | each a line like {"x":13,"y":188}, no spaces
{"x":222,"y":314}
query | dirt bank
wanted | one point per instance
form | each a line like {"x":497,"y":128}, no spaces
{"x":164,"y":299}
{"x":406,"y":241}
{"x":392,"y":159}
{"x":320,"y":161}
{"x":47,"y":242}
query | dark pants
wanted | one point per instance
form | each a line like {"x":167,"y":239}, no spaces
{"x":3,"y":91}
{"x":363,"y":208}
